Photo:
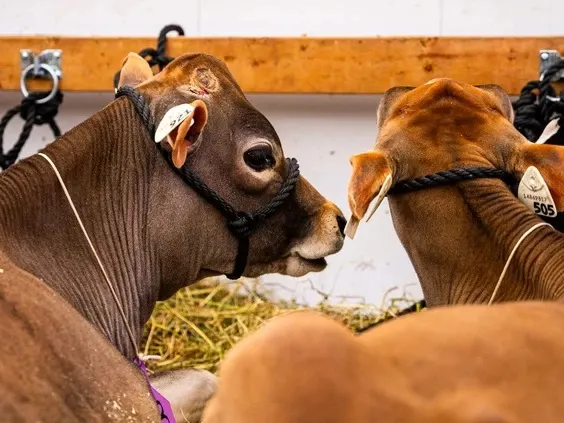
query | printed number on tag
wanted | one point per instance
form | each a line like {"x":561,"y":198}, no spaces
{"x":544,"y":209}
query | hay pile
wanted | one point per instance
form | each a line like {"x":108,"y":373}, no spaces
{"x":200,"y":324}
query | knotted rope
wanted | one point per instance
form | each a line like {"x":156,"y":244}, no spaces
{"x":32,"y":113}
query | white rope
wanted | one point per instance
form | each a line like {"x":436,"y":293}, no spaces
{"x":116,"y":298}
{"x":525,"y":235}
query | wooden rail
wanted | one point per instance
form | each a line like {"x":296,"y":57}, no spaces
{"x":301,"y":65}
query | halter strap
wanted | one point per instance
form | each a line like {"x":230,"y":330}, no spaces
{"x":450,"y":176}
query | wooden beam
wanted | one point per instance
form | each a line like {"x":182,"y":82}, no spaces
{"x":302,"y":65}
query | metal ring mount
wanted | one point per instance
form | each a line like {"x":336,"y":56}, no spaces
{"x":51,"y":73}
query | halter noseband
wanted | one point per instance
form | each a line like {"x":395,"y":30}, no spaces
{"x":241,"y":224}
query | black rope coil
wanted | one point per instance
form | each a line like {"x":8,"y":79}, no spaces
{"x":548,"y":106}
{"x":156,"y":57}
{"x":33,"y":114}
{"x":528,"y":120}
{"x":536,"y":107}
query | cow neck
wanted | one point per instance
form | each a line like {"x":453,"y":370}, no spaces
{"x":106,"y":166}
{"x":460,"y":244}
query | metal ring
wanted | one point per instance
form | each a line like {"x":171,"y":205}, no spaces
{"x":53,"y":75}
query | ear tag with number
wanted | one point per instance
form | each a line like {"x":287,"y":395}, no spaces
{"x":174,"y":117}
{"x":534,"y":193}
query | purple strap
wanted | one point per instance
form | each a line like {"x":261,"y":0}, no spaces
{"x":165,"y":410}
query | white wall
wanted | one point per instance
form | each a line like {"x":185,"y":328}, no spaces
{"x":315,"y":129}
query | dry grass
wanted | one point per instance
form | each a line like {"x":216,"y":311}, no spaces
{"x":200,"y":324}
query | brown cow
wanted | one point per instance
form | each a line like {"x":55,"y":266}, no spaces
{"x":65,"y":353}
{"x":457,"y":364}
{"x":459,"y":236}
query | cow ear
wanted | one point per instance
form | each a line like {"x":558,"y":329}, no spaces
{"x":503,"y":99}
{"x":370,"y":180}
{"x":134,"y":71}
{"x":549,"y":161}
{"x":183,"y":135}
{"x":387,"y":102}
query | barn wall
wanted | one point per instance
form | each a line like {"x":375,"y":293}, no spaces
{"x":316,"y":129}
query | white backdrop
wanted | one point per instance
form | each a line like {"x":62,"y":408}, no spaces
{"x":316,"y":129}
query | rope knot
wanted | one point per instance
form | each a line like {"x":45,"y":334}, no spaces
{"x":242,"y":225}
{"x":41,"y":113}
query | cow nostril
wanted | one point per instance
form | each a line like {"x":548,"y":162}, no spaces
{"x":341,"y":222}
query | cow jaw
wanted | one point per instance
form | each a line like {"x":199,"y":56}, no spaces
{"x":291,"y":265}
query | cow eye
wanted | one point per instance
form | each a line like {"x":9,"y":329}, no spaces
{"x":259,"y":158}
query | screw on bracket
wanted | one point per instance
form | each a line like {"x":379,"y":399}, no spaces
{"x":49,"y":57}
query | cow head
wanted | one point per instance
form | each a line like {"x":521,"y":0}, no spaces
{"x":454,"y":232}
{"x":234,"y":149}
{"x":444,"y":124}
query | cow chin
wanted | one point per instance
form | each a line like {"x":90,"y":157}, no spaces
{"x":291,"y":265}
{"x":297,"y":266}
{"x":304,"y":258}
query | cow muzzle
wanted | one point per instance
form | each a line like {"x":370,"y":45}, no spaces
{"x":326,"y":237}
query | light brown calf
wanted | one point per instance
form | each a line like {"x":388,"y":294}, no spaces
{"x":459,"y":236}
{"x":463,"y":364}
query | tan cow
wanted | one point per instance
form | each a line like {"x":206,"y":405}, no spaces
{"x":65,"y":352}
{"x":458,"y":364}
{"x":459,"y":236}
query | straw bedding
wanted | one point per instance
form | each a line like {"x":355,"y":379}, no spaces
{"x":197,"y":326}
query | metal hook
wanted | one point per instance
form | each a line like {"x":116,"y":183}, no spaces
{"x":548,"y":58}
{"x":46,"y":64}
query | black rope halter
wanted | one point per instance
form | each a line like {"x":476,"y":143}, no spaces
{"x":241,"y":224}
{"x":450,"y":176}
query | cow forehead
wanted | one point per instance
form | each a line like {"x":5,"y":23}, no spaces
{"x":202,"y":72}
{"x":456,"y":92}
{"x":206,"y":77}
{"x":444,"y":119}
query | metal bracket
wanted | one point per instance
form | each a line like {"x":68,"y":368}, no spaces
{"x":49,"y":57}
{"x":548,"y":58}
